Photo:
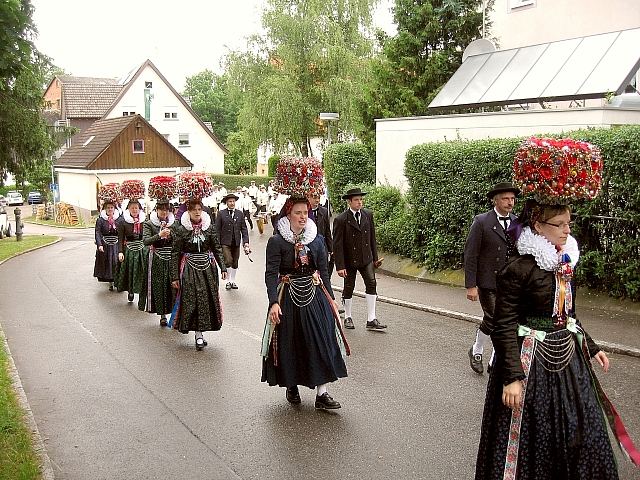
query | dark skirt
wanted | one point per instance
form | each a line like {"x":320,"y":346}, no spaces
{"x":199,"y":307}
{"x":132,"y":271}
{"x":157,"y":295}
{"x":563,"y":434}
{"x":307,"y":348}
{"x":106,"y":264}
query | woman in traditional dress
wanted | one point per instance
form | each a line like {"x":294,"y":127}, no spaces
{"x":132,"y":254}
{"x":158,"y":295}
{"x":107,"y":243}
{"x":195,"y":274}
{"x":303,"y":343}
{"x":543,"y":415}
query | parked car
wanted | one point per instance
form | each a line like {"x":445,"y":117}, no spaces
{"x":15,"y":198}
{"x":34,"y":197}
{"x":3,"y":201}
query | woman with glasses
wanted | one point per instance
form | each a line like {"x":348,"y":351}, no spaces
{"x":543,"y":415}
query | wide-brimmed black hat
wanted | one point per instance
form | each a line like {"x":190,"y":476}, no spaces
{"x":353,"y":192}
{"x":502,"y":188}
{"x":228,"y":196}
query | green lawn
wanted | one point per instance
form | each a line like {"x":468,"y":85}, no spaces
{"x":91,"y":224}
{"x":17,"y":457}
{"x":10,"y":247}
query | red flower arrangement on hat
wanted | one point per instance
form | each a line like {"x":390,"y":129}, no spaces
{"x":297,"y":177}
{"x":132,"y":189}
{"x":192,"y":185}
{"x":558,"y":170}
{"x":110,"y":192}
{"x":162,"y":188}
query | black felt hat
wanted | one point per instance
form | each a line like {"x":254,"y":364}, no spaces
{"x":353,"y":192}
{"x":502,"y":188}
{"x":228,"y":196}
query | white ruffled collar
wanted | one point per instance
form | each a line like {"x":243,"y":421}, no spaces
{"x":185,"y":221}
{"x":126,"y":214}
{"x":309,"y":233}
{"x":103,"y":214}
{"x":156,"y":221}
{"x":545,"y":253}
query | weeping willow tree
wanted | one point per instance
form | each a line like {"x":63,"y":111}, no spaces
{"x":313,"y":57}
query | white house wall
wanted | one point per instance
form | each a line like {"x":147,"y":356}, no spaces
{"x":205,"y":154}
{"x":394,"y":137}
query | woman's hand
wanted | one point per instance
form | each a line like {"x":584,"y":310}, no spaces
{"x":512,"y":394}
{"x":165,"y":233}
{"x":101,"y":249}
{"x":603,"y":360}
{"x":225,"y":275}
{"x":176,"y":284}
{"x":121,"y":257}
{"x":274,"y":314}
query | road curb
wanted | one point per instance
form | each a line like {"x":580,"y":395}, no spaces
{"x":46,"y":468}
{"x":31,"y":250}
{"x":606,"y":346}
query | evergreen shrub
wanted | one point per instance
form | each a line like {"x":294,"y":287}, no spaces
{"x":232,"y":181}
{"x":344,"y":164}
{"x":272,"y":163}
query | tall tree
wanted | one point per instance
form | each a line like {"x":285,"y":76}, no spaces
{"x":313,"y":58}
{"x":211,"y":100}
{"x":421,"y":57}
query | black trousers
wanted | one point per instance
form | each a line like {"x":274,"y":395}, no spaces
{"x":247,"y":216}
{"x":487,"y":297}
{"x":368,"y":275}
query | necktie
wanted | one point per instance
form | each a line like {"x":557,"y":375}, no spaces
{"x":315,"y":214}
{"x":504,"y":221}
{"x":358,"y":217}
{"x":231,"y":214}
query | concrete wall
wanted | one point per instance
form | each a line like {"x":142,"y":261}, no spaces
{"x":394,"y":137}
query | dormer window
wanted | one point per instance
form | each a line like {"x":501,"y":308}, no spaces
{"x":148,"y":84}
{"x":88,"y":140}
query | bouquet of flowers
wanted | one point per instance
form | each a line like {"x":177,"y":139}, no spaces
{"x":558,"y":171}
{"x":193,"y":185}
{"x":110,"y":192}
{"x":297,"y":176}
{"x":162,"y":188}
{"x":132,"y":189}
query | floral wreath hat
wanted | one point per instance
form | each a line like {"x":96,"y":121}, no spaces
{"x":132,"y":189}
{"x":110,"y":192}
{"x":162,"y":189}
{"x":194,"y":185}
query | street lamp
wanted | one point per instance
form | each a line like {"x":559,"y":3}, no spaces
{"x":329,"y":117}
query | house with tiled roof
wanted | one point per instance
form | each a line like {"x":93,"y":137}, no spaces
{"x":113,"y":150}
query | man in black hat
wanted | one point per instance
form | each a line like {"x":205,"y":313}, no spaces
{"x":355,"y":250}
{"x":485,"y":253}
{"x":232,"y":231}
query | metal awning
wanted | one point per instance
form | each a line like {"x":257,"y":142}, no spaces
{"x":574,"y":69}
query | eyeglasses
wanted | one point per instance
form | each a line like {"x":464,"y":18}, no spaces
{"x":560,"y":225}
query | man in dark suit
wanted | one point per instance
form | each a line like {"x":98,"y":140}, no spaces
{"x":232,"y":231}
{"x":355,"y":250}
{"x":485,"y":253}
{"x":320,"y":216}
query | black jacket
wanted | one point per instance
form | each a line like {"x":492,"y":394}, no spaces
{"x":232,"y":229}
{"x":354,"y":245}
{"x":524,"y":291}
{"x":324,"y":227}
{"x":485,"y":251}
{"x":126,"y":234}
{"x":151,"y":235}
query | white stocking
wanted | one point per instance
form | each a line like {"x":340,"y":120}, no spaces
{"x":371,"y":307}
{"x":347,"y":306}
{"x":321,"y":389}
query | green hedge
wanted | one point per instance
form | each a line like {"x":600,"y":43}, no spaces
{"x":448,"y":182}
{"x":344,"y":164}
{"x":272,"y":164}
{"x":232,"y":181}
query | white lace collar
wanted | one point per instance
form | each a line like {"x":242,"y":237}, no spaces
{"x":156,"y":221}
{"x":185,"y":221}
{"x":103,"y":214}
{"x":126,"y":214}
{"x":310,"y":231}
{"x":544,"y":251}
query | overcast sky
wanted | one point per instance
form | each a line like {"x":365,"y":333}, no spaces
{"x":110,"y":38}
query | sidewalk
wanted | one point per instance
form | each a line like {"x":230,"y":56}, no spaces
{"x":614,"y":324}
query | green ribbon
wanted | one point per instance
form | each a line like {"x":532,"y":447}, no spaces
{"x":540,"y":335}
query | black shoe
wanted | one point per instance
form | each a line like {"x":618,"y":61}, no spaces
{"x":476,"y":362}
{"x":375,"y":325}
{"x":199,"y":344}
{"x":228,"y":286}
{"x":204,"y":342}
{"x":325,"y":402}
{"x":293,"y":395}
{"x":234,"y":286}
{"x":348,"y":323}
{"x":341,"y":310}
{"x":163,"y":321}
{"x":130,"y":297}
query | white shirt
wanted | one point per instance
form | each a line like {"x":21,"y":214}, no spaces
{"x":500,"y":221}
{"x":262,"y":198}
{"x":253,"y":191}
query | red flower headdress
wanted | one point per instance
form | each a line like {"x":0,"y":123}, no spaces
{"x":558,"y":171}
{"x":132,"y":189}
{"x":110,"y":192}
{"x":192,"y":185}
{"x":299,"y":176}
{"x":162,"y":188}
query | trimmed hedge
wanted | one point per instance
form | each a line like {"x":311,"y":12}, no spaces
{"x":232,"y":181}
{"x":448,"y":184}
{"x":272,"y":164}
{"x":344,"y":164}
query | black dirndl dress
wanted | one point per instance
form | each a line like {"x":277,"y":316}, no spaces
{"x":106,"y":263}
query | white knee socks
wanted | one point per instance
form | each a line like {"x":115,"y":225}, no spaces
{"x":232,"y":274}
{"x":371,"y":307}
{"x":347,"y":306}
{"x":321,"y":389}
{"x":481,"y":340}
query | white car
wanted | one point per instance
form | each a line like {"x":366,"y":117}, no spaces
{"x":14,"y":198}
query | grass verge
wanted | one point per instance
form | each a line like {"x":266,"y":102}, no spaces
{"x":52,"y":223}
{"x":18,"y":461}
{"x":9,"y":247}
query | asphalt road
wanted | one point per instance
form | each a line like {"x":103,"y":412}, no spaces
{"x":117,"y":397}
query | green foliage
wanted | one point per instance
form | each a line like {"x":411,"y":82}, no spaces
{"x":242,"y":158}
{"x":273,"y":164}
{"x":211,"y":100}
{"x":232,"y":181}
{"x":344,"y":164}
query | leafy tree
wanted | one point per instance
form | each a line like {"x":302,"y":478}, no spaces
{"x":313,"y":58}
{"x":420,"y":58}
{"x":242,"y":158}
{"x":211,"y":101}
